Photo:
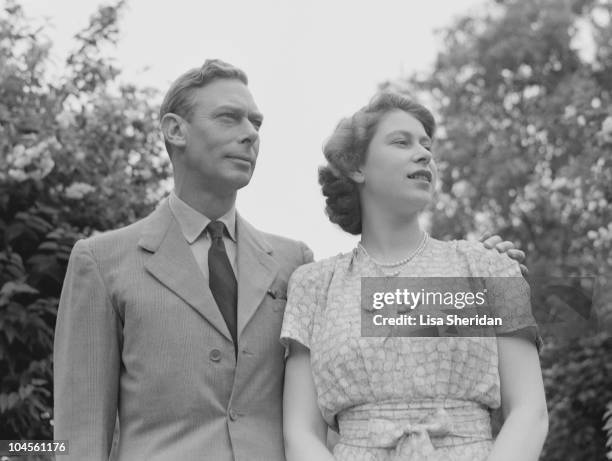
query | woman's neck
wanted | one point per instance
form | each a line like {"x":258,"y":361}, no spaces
{"x":390,"y":238}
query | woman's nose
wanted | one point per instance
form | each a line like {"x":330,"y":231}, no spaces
{"x":422,"y":156}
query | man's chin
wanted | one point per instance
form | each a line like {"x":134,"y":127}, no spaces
{"x":238,"y":181}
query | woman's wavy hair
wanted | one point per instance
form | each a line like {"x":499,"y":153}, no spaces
{"x":346,"y":150}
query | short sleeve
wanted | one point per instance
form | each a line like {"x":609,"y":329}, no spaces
{"x":301,"y":306}
{"x":509,"y":297}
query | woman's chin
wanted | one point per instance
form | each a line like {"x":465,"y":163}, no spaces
{"x":417,"y":202}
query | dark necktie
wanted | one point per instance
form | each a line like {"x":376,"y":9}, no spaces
{"x":222,"y":280}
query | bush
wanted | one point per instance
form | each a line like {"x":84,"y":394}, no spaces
{"x":578,"y":381}
{"x":78,"y":155}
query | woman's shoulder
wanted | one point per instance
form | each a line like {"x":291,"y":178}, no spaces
{"x":481,"y":261}
{"x":316,"y":272}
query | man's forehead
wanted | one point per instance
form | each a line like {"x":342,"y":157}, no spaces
{"x":225,"y":92}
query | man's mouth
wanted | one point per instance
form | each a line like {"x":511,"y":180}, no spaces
{"x":423,"y":175}
{"x":238,"y":157}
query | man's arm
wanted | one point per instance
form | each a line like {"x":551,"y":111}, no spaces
{"x":86,"y":356}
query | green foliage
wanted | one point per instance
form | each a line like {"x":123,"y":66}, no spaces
{"x":79,"y":154}
{"x":608,"y":428}
{"x":523,"y":95}
{"x":578,"y":381}
{"x":524,"y":98}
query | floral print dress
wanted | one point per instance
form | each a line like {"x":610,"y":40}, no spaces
{"x":396,"y":398}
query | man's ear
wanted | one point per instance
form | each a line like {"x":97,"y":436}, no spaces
{"x":357,"y":176}
{"x":174,"y":129}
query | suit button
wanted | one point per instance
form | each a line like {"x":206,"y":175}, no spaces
{"x":233,"y":415}
{"x":215,"y":355}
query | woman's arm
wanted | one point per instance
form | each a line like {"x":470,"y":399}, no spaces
{"x":523,"y":402}
{"x":304,"y":428}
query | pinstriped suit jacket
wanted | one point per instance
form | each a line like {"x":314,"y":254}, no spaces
{"x":139,"y":334}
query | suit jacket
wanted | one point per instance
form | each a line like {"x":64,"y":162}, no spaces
{"x":139,"y":335}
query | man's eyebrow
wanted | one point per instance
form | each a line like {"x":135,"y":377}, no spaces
{"x":256,"y":116}
{"x":229,"y":107}
{"x":237,"y":109}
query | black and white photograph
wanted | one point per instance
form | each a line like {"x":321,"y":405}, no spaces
{"x":306,"y":231}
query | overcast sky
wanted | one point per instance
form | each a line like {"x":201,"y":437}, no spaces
{"x":309,"y":64}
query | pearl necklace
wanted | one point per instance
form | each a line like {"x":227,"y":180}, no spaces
{"x":401,"y":263}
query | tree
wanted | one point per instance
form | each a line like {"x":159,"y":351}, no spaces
{"x":523,"y":96}
{"x":79,"y":154}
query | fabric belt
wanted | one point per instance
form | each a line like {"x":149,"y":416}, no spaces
{"x":414,"y":429}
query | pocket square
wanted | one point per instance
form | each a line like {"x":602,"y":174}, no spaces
{"x":278,"y":293}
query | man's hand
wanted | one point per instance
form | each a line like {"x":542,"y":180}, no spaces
{"x":495,"y":241}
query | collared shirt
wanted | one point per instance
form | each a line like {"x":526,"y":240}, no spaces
{"x":193,"y":225}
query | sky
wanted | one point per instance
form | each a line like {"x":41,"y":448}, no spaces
{"x":309,"y":63}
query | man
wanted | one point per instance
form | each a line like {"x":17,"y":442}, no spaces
{"x":172,"y":323}
{"x":139,"y":329}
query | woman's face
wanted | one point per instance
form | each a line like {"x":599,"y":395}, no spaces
{"x":399,"y":173}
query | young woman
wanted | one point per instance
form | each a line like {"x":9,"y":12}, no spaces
{"x":397,"y":398}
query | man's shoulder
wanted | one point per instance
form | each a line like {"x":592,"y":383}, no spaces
{"x":287,"y":248}
{"x":114,"y":236}
{"x":279,"y":241}
{"x":277,"y":244}
{"x":115,"y":241}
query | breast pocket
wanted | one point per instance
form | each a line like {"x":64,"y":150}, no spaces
{"x":276,"y":296}
{"x":276,"y":301}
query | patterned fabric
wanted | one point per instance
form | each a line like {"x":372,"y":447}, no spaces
{"x":399,"y":398}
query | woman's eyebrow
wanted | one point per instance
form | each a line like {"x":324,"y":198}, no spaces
{"x":409,"y":134}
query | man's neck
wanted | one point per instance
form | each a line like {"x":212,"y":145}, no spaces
{"x":212,"y":205}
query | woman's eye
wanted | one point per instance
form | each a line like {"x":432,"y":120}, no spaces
{"x":401,"y":142}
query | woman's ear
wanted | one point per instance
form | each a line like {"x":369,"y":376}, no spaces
{"x":357,"y":176}
{"x":174,"y":129}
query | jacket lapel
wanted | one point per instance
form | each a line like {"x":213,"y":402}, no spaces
{"x":257,"y":270}
{"x":173,"y":264}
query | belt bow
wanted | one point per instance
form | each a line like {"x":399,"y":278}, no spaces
{"x":411,"y":440}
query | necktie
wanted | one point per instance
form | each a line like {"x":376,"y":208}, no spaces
{"x":222,"y":280}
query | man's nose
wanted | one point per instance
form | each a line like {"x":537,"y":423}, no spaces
{"x":250,"y":134}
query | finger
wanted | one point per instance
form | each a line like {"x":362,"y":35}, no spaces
{"x":504,"y":246}
{"x":524,"y":269}
{"x":492,"y":241}
{"x":485,"y":235}
{"x":517,"y":255}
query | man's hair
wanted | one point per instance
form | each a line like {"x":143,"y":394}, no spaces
{"x":346,"y":149}
{"x":179,"y":99}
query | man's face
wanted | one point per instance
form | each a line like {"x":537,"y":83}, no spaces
{"x":222,"y":139}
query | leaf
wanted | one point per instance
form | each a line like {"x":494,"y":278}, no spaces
{"x":9,"y":289}
{"x":49,"y":246}
{"x":13,"y":399}
{"x":10,"y":333}
{"x":3,"y":402}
